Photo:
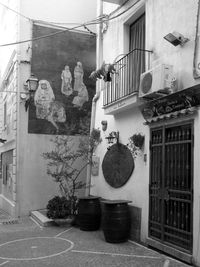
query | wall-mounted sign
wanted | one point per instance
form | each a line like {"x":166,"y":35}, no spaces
{"x":184,"y":99}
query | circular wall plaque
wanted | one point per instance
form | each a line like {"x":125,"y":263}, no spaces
{"x":118,"y":165}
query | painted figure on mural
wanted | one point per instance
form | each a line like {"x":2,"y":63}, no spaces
{"x":46,"y":106}
{"x":81,"y":98}
{"x":66,"y":87}
{"x":78,"y":76}
{"x":57,"y":114}
{"x":79,"y":86}
{"x":43,"y":97}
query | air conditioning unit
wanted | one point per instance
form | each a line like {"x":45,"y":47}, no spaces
{"x":156,"y":82}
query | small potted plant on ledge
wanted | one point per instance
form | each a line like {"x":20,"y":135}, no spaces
{"x":135,"y":144}
{"x":66,"y":164}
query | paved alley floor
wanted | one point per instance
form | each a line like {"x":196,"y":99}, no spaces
{"x":24,"y":243}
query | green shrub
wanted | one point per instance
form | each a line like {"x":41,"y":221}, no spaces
{"x":58,"y":207}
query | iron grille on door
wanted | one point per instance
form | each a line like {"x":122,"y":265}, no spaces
{"x":171,"y":186}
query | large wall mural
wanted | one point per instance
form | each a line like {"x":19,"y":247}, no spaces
{"x":62,"y":63}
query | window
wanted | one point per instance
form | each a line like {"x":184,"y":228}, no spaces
{"x":7,"y":160}
{"x":137,"y":58}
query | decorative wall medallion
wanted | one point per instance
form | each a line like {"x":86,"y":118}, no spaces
{"x":118,"y":165}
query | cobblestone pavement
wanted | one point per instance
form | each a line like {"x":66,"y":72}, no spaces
{"x":24,"y":243}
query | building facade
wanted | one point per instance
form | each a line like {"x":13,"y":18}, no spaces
{"x":40,"y":42}
{"x":152,"y":90}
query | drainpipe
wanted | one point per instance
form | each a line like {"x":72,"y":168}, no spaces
{"x":99,"y":59}
{"x":18,"y":75}
{"x":196,"y":74}
{"x":17,"y":200}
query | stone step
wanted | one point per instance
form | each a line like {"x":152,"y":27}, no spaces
{"x":40,"y":218}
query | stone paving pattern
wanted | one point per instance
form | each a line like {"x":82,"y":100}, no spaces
{"x":25,"y":243}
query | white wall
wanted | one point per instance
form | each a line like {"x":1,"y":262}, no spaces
{"x":162,"y":17}
{"x":34,"y":186}
{"x":8,"y":32}
{"x":62,"y":11}
{"x":180,"y":16}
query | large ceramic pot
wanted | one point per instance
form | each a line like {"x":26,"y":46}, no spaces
{"x":116,"y":220}
{"x":89,"y":213}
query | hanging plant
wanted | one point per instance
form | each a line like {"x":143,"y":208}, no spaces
{"x":95,"y":137}
{"x":138,"y":140}
{"x":135,"y":144}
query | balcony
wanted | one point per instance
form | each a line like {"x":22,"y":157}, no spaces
{"x":122,"y":92}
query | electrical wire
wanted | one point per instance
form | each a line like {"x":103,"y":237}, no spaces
{"x":46,"y":22}
{"x":116,"y":16}
{"x":99,"y":19}
{"x":43,"y":36}
{"x":43,"y":21}
{"x":7,"y":7}
{"x":64,"y":27}
{"x":50,"y":35}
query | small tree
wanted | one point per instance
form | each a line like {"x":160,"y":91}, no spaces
{"x":68,"y":160}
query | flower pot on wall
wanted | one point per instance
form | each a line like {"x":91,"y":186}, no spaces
{"x":116,"y":220}
{"x":89,"y":213}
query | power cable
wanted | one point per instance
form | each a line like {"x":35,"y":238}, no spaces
{"x":103,"y":18}
{"x":64,"y":27}
{"x":97,"y":19}
{"x":28,"y":18}
{"x":7,"y":7}
{"x":116,"y":16}
{"x":45,"y":22}
{"x":43,"y":36}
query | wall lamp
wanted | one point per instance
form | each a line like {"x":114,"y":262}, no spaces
{"x":113,"y":136}
{"x":31,"y":86}
{"x":176,"y":38}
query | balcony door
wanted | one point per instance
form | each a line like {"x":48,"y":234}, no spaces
{"x":137,"y":60}
{"x":125,"y":81}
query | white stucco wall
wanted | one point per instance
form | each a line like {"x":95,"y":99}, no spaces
{"x":162,"y":17}
{"x":34,"y":188}
{"x":65,"y":13}
{"x":180,"y":16}
{"x":8,"y":32}
{"x":35,"y":185}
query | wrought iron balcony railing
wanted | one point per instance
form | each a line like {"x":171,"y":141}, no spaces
{"x":126,"y":79}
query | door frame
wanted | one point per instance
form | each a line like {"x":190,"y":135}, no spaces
{"x":159,"y":244}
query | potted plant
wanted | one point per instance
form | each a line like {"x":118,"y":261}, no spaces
{"x":135,"y":144}
{"x":66,"y":163}
{"x":58,"y":209}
